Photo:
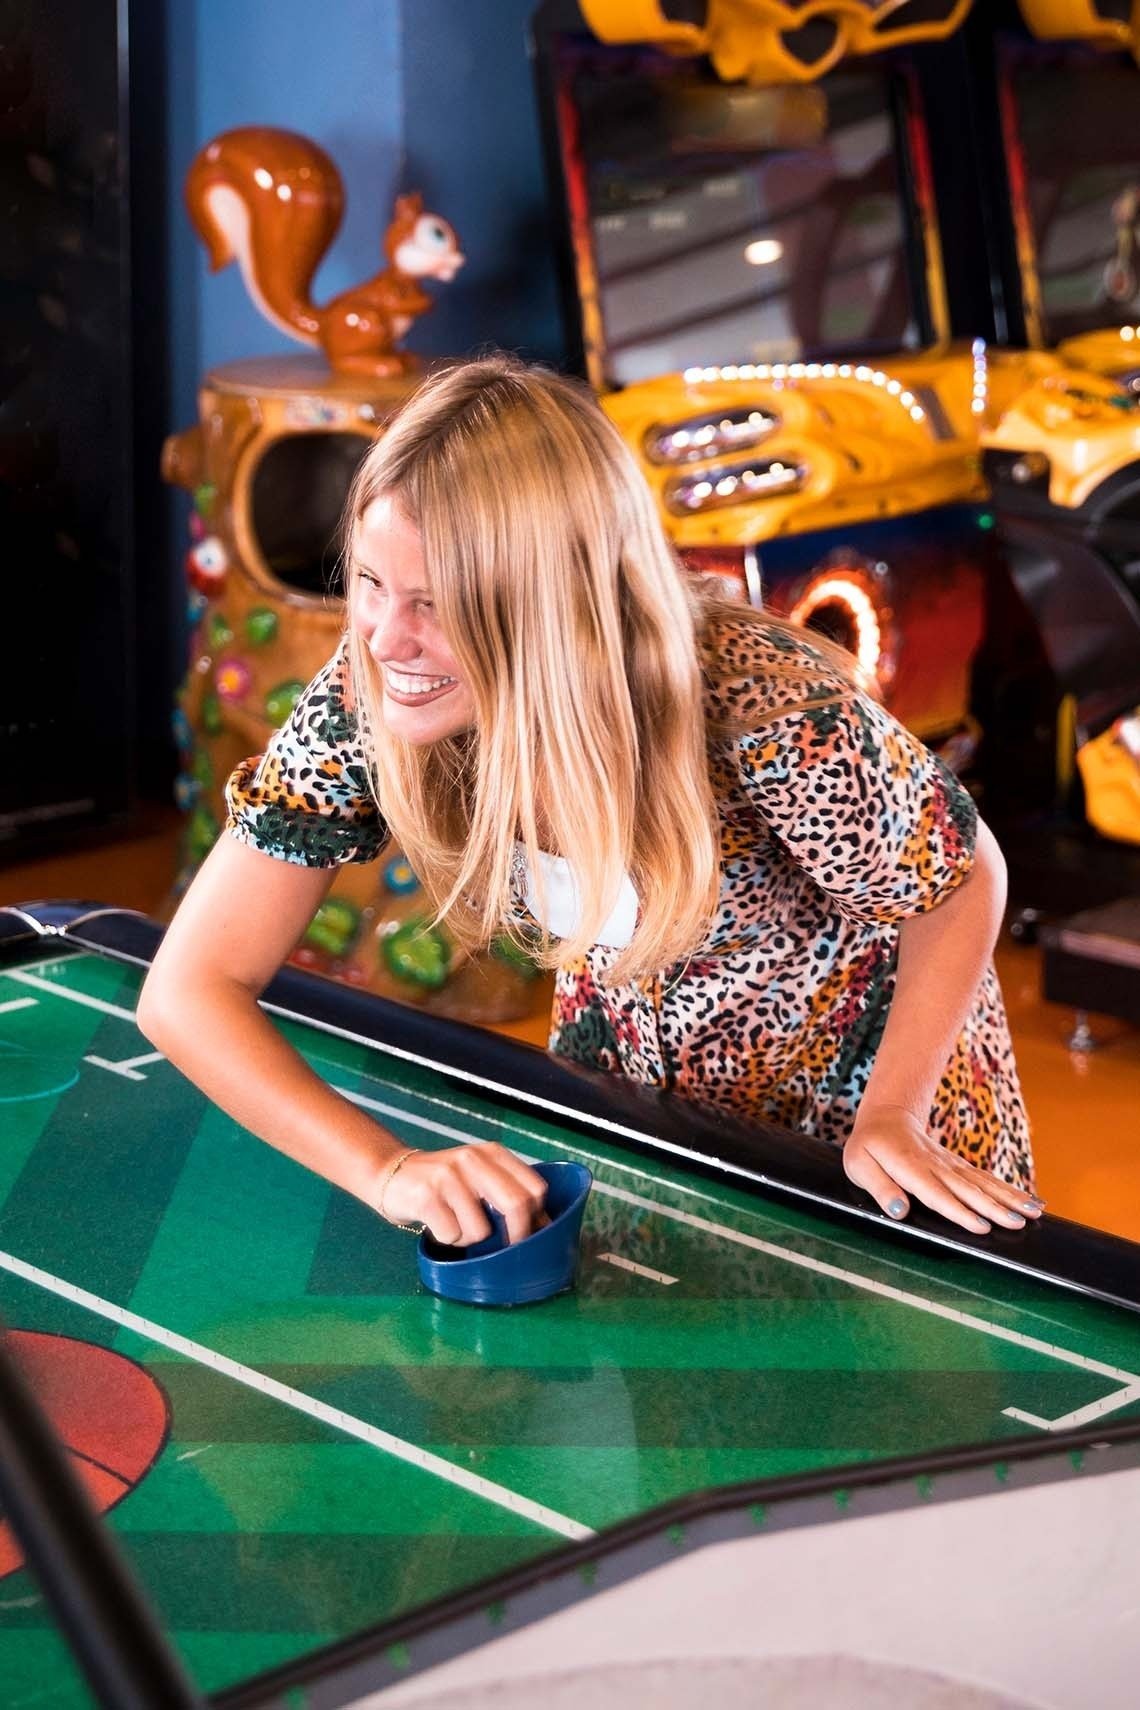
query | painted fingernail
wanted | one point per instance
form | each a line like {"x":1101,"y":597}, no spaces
{"x":982,"y":1226}
{"x":1034,"y":1205}
{"x":897,"y":1208}
{"x":1016,"y":1222}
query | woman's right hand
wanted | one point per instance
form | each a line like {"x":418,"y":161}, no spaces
{"x":445,"y":1192}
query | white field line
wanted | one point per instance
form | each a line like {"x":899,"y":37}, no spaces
{"x":24,"y":978}
{"x":127,"y":1067}
{"x":693,"y":1193}
{"x":1080,"y":1415}
{"x":637,"y":1270}
{"x":301,"y":1403}
{"x":1129,"y":1381}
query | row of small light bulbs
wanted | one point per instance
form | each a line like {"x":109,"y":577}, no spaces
{"x":694,"y":493}
{"x":981,"y":377}
{"x":811,"y":371}
{"x":1129,"y":333}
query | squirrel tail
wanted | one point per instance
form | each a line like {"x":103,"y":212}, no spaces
{"x":272,"y":200}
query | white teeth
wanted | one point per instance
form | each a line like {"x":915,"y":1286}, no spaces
{"x":406,"y":683}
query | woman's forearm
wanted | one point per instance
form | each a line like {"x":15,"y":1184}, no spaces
{"x":222,"y":1040}
{"x":234,"y":928}
{"x":943,"y":956}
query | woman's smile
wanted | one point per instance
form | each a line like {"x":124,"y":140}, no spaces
{"x":415,"y":688}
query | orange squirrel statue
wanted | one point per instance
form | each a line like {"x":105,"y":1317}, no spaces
{"x":273,"y":199}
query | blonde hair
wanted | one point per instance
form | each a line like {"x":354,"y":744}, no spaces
{"x":572,"y":624}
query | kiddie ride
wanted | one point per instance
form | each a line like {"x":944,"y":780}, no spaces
{"x":268,"y":465}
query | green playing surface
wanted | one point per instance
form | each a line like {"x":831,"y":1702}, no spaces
{"x":344,"y":1447}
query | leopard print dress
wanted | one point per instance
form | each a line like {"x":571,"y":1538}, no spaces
{"x":836,"y":824}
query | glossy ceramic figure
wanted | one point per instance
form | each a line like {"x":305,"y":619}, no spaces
{"x":272,"y":200}
{"x":268,"y":466}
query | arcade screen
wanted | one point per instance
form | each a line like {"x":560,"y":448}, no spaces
{"x":714,"y":223}
{"x":1072,"y":137}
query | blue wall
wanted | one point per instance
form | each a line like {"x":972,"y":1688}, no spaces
{"x":404,"y":94}
{"x":471,"y":136}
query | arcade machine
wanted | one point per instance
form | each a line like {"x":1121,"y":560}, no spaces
{"x":827,"y":401}
{"x":1064,"y":151}
{"x":1066,"y":156}
{"x":753,"y":272}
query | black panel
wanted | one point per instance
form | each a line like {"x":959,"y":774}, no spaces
{"x":65,"y":421}
{"x":297,"y":498}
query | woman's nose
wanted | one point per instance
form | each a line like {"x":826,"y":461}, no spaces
{"x":392,"y":636}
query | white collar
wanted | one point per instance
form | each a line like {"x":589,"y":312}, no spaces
{"x":563,"y":907}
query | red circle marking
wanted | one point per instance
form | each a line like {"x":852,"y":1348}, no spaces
{"x":108,"y":1411}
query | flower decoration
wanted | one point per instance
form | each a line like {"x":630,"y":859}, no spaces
{"x":207,"y":564}
{"x":399,"y":877}
{"x":232,"y":679}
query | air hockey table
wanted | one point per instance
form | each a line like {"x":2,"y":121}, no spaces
{"x":768,"y":1430}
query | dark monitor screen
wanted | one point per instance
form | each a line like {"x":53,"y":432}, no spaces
{"x":66,"y":515}
{"x":1072,"y":137}
{"x":715,"y":223}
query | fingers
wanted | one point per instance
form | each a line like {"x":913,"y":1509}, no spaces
{"x":977,"y":1190}
{"x":1005,"y":1193}
{"x":991,"y":1197}
{"x":514,"y":1189}
{"x":449,"y":1193}
{"x":464,"y":1206}
{"x":450,"y":1209}
{"x":971,"y":1198}
{"x":866,"y":1173}
{"x":943,"y":1189}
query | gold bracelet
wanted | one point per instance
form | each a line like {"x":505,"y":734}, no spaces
{"x":385,"y":1183}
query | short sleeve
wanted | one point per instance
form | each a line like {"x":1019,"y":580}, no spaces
{"x":307,"y":798}
{"x":861,"y":805}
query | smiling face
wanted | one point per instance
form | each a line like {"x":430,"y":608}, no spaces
{"x":391,"y":609}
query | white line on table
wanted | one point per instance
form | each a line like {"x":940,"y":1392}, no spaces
{"x":1080,"y":1415}
{"x":69,"y":992}
{"x":18,"y":1003}
{"x":638,"y":1270}
{"x":300,"y":1402}
{"x":127,"y":1066}
{"x":867,"y":1284}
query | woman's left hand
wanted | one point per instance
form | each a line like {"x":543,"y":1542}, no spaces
{"x":890,"y":1154}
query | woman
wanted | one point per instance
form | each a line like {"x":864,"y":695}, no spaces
{"x":757,"y":888}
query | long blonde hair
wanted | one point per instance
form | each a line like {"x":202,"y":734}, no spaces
{"x":571,"y":622}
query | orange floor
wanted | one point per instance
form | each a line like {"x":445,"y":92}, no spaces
{"x":1085,"y":1109}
